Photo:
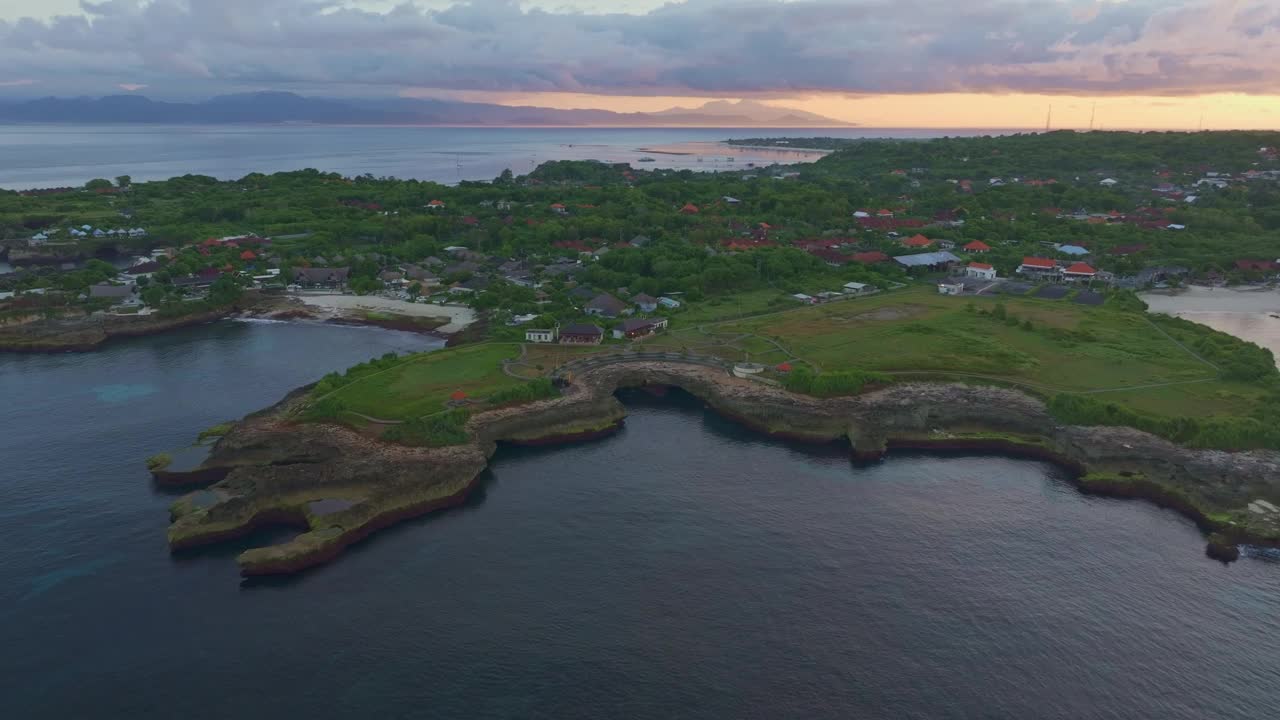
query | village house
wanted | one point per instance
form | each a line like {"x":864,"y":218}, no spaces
{"x":669,"y":303}
{"x":542,"y":335}
{"x":980,"y":271}
{"x":579,"y":334}
{"x":1038,"y":267}
{"x":636,"y":328}
{"x":606,"y":305}
{"x":917,"y":241}
{"x":435,"y":205}
{"x":870,"y":258}
{"x":1109,"y":182}
{"x":117,"y":293}
{"x":321,"y":277}
{"x":950,"y":288}
{"x":806,"y":299}
{"x":857,"y":288}
{"x":646,"y":303}
{"x":1073,"y":250}
{"x":559,"y":209}
{"x":977,"y":246}
{"x":927,"y":261}
{"x":1079,"y":272}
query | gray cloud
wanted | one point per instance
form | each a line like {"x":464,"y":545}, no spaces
{"x":708,"y":47}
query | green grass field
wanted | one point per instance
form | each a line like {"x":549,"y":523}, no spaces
{"x":422,"y":385}
{"x":737,"y":305}
{"x":1116,"y":355}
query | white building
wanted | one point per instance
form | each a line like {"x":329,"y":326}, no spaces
{"x":856,"y":288}
{"x":950,"y":288}
{"x":981,"y":271}
{"x":1109,"y":182}
{"x":542,"y":335}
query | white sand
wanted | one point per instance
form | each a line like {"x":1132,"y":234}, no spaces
{"x":459,"y":316}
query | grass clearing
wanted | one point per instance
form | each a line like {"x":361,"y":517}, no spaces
{"x":1065,"y":347}
{"x":423,"y":384}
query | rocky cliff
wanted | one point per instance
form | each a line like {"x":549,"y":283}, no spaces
{"x":338,"y":484}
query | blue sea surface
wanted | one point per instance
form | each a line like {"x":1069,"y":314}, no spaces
{"x":682,"y":568}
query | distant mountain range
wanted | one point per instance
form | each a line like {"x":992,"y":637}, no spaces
{"x":284,"y":107}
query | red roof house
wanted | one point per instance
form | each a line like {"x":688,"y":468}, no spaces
{"x":870,"y":258}
{"x":1080,"y":270}
{"x":435,"y":204}
{"x":1257,"y":265}
{"x":977,"y":246}
{"x":917,"y":241}
{"x":1037,"y":266}
{"x":689,"y":209}
{"x":248,"y":255}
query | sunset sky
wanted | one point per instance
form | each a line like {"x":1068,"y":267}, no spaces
{"x":880,"y":63}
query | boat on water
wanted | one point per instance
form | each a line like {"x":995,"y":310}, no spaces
{"x":646,"y":159}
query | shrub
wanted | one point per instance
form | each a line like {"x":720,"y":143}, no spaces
{"x":1232,"y":433}
{"x":528,"y":392}
{"x":446,"y":428}
{"x":159,"y":461}
{"x":848,"y":382}
{"x":216,"y":431}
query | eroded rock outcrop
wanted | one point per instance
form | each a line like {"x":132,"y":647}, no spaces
{"x":339,"y":485}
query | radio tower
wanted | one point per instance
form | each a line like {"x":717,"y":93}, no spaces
{"x":1092,"y":114}
{"x":1048,"y":121}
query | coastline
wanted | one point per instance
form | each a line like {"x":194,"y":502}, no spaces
{"x":277,"y":468}
{"x":91,"y":333}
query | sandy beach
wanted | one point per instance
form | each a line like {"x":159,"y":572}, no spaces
{"x":459,"y":317}
{"x":1247,"y":314}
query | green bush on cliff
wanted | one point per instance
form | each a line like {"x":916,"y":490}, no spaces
{"x":159,"y":461}
{"x":446,"y":428}
{"x":1228,"y":433}
{"x":832,"y":384}
{"x":334,"y":380}
{"x":216,"y":431}
{"x":539,"y":389}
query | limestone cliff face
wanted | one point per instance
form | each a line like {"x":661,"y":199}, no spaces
{"x":280,"y":469}
{"x":83,"y":333}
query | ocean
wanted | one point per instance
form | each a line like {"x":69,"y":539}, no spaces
{"x":681,"y":568}
{"x":34,"y":156}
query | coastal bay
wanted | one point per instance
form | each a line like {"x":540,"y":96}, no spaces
{"x":915,"y":582}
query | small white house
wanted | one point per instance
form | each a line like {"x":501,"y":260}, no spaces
{"x":856,"y":288}
{"x":542,"y":335}
{"x":38,"y":239}
{"x":806,"y":299}
{"x":950,"y":288}
{"x":669,"y":303}
{"x":1109,"y":182}
{"x":981,"y":271}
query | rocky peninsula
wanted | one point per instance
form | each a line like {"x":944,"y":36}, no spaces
{"x":337,"y":485}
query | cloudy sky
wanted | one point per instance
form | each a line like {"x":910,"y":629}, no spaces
{"x":995,"y":63}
